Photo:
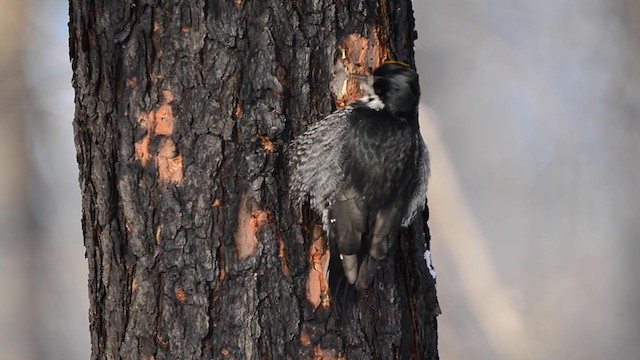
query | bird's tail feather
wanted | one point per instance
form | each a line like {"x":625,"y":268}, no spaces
{"x":343,"y":294}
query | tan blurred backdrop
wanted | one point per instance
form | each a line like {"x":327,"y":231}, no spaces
{"x":531,"y":109}
{"x":43,"y":273}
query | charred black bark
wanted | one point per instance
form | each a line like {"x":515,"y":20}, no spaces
{"x":184,"y":110}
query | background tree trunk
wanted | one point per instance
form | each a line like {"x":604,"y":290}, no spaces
{"x":184,"y":110}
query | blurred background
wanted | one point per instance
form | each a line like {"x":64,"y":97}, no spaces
{"x":531,"y":109}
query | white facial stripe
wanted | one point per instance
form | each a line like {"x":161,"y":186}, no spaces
{"x":373,"y":102}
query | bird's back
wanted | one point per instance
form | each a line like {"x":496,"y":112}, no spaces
{"x":379,"y":156}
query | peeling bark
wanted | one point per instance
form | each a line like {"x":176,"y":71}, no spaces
{"x":184,"y":110}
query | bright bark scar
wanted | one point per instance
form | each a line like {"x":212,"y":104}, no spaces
{"x":180,"y":294}
{"x":160,"y":122}
{"x":142,"y":150}
{"x":250,"y":220}
{"x":304,"y":337}
{"x":164,"y":115}
{"x":169,"y":163}
{"x":282,"y":255}
{"x":164,"y":120}
{"x":317,"y":286}
{"x":359,"y":55}
{"x":325,"y":354}
{"x":268,"y":146}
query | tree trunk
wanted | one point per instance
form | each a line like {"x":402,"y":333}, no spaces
{"x":184,"y":111}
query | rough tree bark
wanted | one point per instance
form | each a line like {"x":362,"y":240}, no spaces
{"x":184,"y":110}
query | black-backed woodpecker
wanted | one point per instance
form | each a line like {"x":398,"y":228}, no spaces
{"x":365,"y":168}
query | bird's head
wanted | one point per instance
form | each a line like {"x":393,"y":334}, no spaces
{"x":397,"y":86}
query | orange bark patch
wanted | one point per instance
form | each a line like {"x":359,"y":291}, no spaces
{"x":250,"y":219}
{"x":164,"y":120}
{"x":359,"y":55}
{"x":132,"y":82}
{"x":282,"y":255}
{"x":259,"y":218}
{"x":142,"y":150}
{"x":316,"y":281}
{"x":304,"y":337}
{"x":168,"y":96}
{"x":161,"y":340}
{"x":237,"y":112}
{"x":160,"y":122}
{"x":180,"y":294}
{"x":267,"y":144}
{"x":324,"y":354}
{"x":158,"y":232}
{"x":169,"y":164}
{"x":222,"y":273}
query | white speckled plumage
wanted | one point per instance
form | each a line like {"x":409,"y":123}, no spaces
{"x":320,"y":176}
{"x":317,"y":158}
{"x":419,"y":196}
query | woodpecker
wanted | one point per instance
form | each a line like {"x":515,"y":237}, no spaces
{"x":365,"y":169}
